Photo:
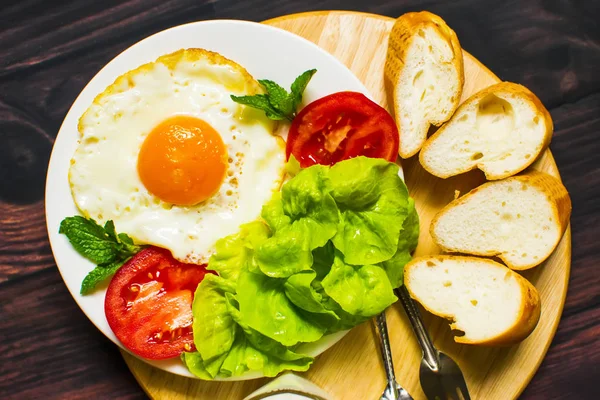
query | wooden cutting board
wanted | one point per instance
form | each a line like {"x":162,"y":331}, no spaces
{"x":352,"y":369}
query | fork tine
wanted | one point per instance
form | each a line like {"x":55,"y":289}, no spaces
{"x":434,"y":392}
{"x":462,"y":389}
{"x":436,"y":395}
{"x":433,"y":389}
{"x":457,"y":394}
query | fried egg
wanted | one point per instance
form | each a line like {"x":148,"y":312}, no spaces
{"x":171,"y":159}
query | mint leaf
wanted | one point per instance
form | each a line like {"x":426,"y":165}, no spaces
{"x":109,"y":227}
{"x":90,"y":239}
{"x":128,"y":246}
{"x":277,"y":103}
{"x":99,"y":274}
{"x":299,"y":86}
{"x":103,"y":246}
{"x":261,"y":102}
{"x":124,"y":238}
{"x":279,"y":98}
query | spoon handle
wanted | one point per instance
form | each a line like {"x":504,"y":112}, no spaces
{"x":386,"y":353}
{"x":430,"y":353}
{"x":386,"y":350}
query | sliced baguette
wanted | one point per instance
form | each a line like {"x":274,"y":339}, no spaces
{"x":424,"y":76}
{"x":519,"y":219}
{"x":491,"y":304}
{"x":501,"y":130}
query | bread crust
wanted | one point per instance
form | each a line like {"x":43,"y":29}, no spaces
{"x":502,"y":87}
{"x":401,"y":36}
{"x":559,"y":201}
{"x":529,"y":311}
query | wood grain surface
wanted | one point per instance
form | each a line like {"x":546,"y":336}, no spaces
{"x":50,"y":50}
{"x":359,"y":40}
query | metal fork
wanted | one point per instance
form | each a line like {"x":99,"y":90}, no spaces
{"x":440,"y":376}
{"x":393,"y":391}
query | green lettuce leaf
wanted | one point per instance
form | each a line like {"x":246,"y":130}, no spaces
{"x":407,"y":242}
{"x":306,"y":199}
{"x":195,"y":364}
{"x":373,"y":204}
{"x":359,"y":290}
{"x":257,"y":352}
{"x":266,"y":309}
{"x":409,"y":236}
{"x":213,"y":327}
{"x":206,"y":370}
{"x":245,"y":357}
{"x":303,"y":218}
{"x":240,"y":359}
{"x":325,"y":257}
{"x":299,"y":289}
{"x":235,"y":251}
{"x":346,"y":320}
{"x":273,"y":214}
{"x":285,"y":253}
{"x":323,"y":260}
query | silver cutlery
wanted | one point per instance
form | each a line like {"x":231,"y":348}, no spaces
{"x":440,"y":376}
{"x":393,"y":391}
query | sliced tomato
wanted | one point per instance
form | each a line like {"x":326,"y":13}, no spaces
{"x":148,"y":304}
{"x":340,"y":126}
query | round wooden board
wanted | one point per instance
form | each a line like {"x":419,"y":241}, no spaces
{"x":352,"y":369}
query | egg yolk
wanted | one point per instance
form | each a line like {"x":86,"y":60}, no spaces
{"x":183,"y":161}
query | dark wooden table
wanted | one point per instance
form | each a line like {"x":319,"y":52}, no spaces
{"x":49,"y":50}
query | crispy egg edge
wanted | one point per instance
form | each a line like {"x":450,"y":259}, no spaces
{"x":170,"y":61}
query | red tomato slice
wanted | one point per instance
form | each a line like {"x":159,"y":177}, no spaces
{"x":340,"y":126}
{"x":148,"y":304}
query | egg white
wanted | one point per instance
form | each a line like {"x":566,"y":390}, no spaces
{"x":103,"y":175}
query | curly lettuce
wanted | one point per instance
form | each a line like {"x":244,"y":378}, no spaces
{"x":325,"y":256}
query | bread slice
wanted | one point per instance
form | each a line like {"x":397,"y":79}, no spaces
{"x":491,"y":304}
{"x":424,"y":76}
{"x":501,"y":130}
{"x":519,"y":219}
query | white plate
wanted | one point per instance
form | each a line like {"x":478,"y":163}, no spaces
{"x":265,"y":51}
